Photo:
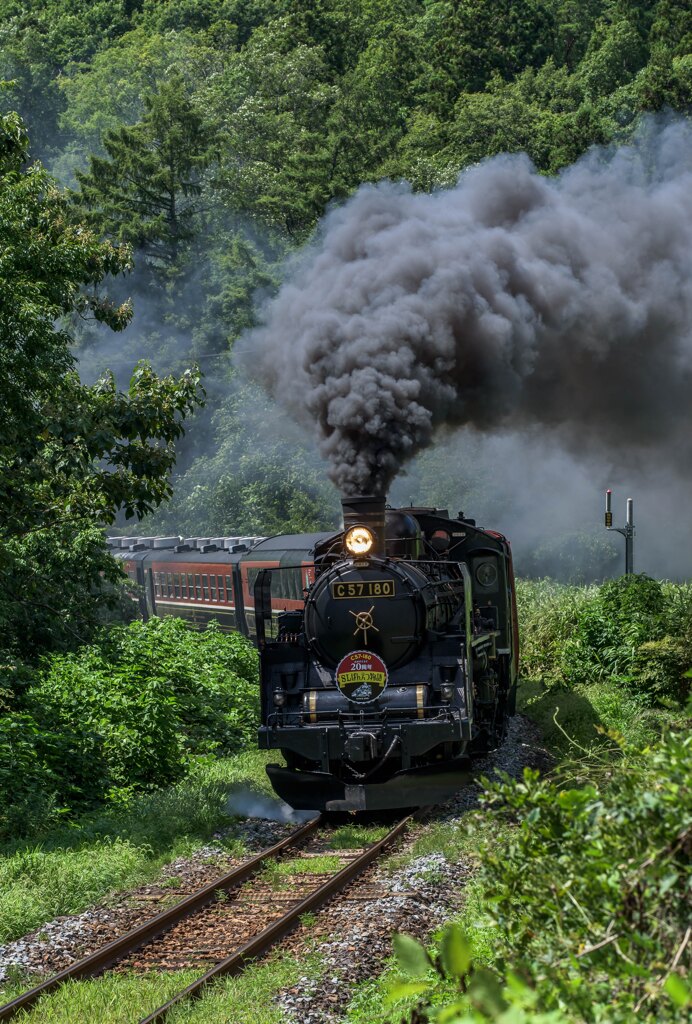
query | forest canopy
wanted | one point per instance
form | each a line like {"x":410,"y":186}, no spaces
{"x":211,"y":136}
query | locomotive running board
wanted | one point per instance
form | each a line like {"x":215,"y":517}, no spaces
{"x":319,"y":791}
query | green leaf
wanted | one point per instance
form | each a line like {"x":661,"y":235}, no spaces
{"x":485,"y":992}
{"x":411,"y":956}
{"x":455,"y":952}
{"x":455,"y":1013}
{"x":399,"y":990}
{"x":678,"y":990}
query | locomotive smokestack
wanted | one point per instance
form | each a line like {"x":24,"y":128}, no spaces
{"x":367,"y":510}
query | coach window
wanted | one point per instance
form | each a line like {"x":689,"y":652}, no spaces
{"x":176,"y":583}
{"x":198,"y":586}
{"x":191,"y":585}
{"x":222,"y":596}
{"x":229,"y":590}
{"x":205,"y":586}
{"x":157,"y":585}
{"x":212,"y":584}
{"x":183,"y":586}
{"x":169,"y":581}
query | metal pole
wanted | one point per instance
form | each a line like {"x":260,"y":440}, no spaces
{"x":627,"y":530}
{"x":629,"y":539}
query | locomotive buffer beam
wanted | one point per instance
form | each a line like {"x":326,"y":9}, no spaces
{"x":421,"y":787}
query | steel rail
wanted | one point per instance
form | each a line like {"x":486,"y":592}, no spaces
{"x":235,"y":963}
{"x":125,"y":944}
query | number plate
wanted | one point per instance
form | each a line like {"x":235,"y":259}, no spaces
{"x":363,"y":588}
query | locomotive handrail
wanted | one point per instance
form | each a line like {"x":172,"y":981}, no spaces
{"x":355,"y":717}
{"x":262,"y":593}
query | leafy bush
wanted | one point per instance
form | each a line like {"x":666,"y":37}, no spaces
{"x":632,"y":630}
{"x":589,"y":891}
{"x":476,"y":995}
{"x":127,"y":713}
{"x":27,"y":784}
{"x":626,"y":628}
{"x":548,"y":616}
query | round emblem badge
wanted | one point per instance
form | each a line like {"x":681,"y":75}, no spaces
{"x":361,"y":676}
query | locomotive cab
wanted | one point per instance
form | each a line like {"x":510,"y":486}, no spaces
{"x":397,"y":668}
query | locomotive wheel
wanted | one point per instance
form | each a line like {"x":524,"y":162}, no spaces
{"x":490,"y":739}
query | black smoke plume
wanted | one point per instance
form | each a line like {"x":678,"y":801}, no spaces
{"x":508,"y":301}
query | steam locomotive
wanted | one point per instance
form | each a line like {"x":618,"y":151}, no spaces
{"x":388,"y":650}
{"x":398,"y":666}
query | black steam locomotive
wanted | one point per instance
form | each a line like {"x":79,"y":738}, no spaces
{"x":396,"y":666}
{"x":388,"y":650}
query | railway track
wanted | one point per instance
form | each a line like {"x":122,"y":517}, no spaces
{"x":216,"y":926}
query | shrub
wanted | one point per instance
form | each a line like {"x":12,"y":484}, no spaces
{"x":27,"y":784}
{"x":126,"y":713}
{"x":624,"y":632}
{"x":548,"y":616}
{"x":589,"y":891}
{"x":634,"y":631}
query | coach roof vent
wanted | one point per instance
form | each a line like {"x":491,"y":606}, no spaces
{"x":230,"y":542}
{"x":166,"y":542}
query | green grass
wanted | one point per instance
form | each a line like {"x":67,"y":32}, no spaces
{"x":580,"y":716}
{"x":277,"y":874}
{"x":74,"y":867}
{"x":581,"y":657}
{"x":125,"y":998}
{"x":310,"y":865}
{"x":353,"y":837}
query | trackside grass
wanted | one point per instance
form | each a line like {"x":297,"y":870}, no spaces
{"x":73,"y":867}
{"x":122,"y":999}
{"x":596,"y":659}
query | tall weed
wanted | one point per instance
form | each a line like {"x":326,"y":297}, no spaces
{"x":633,"y":631}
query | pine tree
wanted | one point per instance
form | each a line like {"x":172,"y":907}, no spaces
{"x":149,"y":190}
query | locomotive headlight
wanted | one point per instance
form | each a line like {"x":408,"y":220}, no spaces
{"x":279,"y":698}
{"x":359,"y":540}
